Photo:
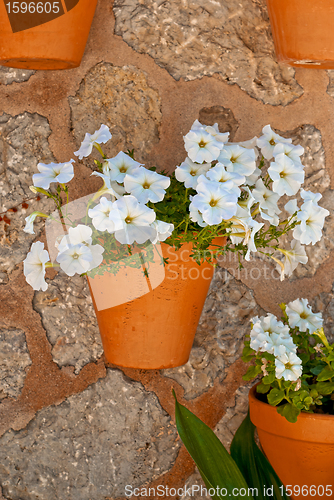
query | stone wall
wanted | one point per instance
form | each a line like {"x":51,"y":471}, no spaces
{"x":71,"y":427}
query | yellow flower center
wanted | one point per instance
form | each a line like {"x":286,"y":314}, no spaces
{"x":272,"y":142}
{"x":192,"y":172}
{"x":146,"y":185}
{"x":213,"y":203}
{"x":123,"y":169}
{"x":304,"y":315}
{"x":128,"y":219}
{"x":202,"y":144}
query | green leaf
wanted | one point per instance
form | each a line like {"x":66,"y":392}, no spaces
{"x":254,"y":466}
{"x":289,"y":411}
{"x":269,"y":379}
{"x":325,"y":388}
{"x":252,"y":372}
{"x":305,"y":357}
{"x":325,"y":374}
{"x":317,"y":369}
{"x":214,"y":463}
{"x":247,"y":354}
{"x":263,"y":388}
{"x":275,"y":396}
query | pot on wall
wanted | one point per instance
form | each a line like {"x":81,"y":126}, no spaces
{"x":150,"y":321}
{"x":301,"y":453}
{"x":303,"y":32}
{"x":42,"y":34}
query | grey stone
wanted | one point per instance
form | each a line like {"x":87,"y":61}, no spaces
{"x":194,"y":488}
{"x":14,"y":361}
{"x":68,"y":317}
{"x":196,"y":38}
{"x":10,"y":75}
{"x":330,"y":87}
{"x":120,"y":98}
{"x":324,"y":303}
{"x":223,"y":116}
{"x":23,"y":144}
{"x":219,"y":338}
{"x":91,"y":446}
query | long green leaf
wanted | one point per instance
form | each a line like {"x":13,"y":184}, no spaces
{"x":254,"y":466}
{"x":217,"y":468}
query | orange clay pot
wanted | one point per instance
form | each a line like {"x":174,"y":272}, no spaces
{"x":52,"y":36}
{"x":157,"y":328}
{"x":302,"y":453}
{"x":303,"y":32}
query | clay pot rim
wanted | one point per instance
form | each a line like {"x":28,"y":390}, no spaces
{"x":311,"y":427}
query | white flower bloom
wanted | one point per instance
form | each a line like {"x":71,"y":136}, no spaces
{"x":214,"y":202}
{"x":201,"y":146}
{"x":279,"y":344}
{"x":100,"y":136}
{"x":287,"y":175}
{"x":34,"y":266}
{"x":75,"y":259}
{"x":267,"y":200}
{"x":250,"y":144}
{"x":292,"y":258}
{"x":255,"y":227}
{"x":196,"y":216}
{"x":291,"y":151}
{"x":300,"y":315}
{"x":82,"y":235}
{"x":109,"y":187}
{"x":100,"y":216}
{"x":53,"y":172}
{"x":309,"y":196}
{"x":250,"y":180}
{"x":119,"y":166}
{"x":211,"y":129}
{"x":29,"y":227}
{"x":312,"y":219}
{"x":288,"y":366}
{"x":238,"y":159}
{"x":188,"y":172}
{"x":268,"y":141}
{"x":258,"y":340}
{"x":132,"y":221}
{"x":218,"y":173}
{"x":291,"y":207}
{"x":163,"y":230}
{"x":146,"y":185}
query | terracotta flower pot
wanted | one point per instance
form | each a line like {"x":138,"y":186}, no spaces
{"x":302,"y":453}
{"x":303,"y":32}
{"x":44,"y":34}
{"x":151,"y":322}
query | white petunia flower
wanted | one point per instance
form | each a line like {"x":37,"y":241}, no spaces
{"x":188,"y":172}
{"x":202,"y":146}
{"x":75,"y":259}
{"x":163,"y":230}
{"x":267,"y":201}
{"x":268,"y":141}
{"x":109,"y":187}
{"x":100,"y":216}
{"x":287,"y":175}
{"x":292,"y":258}
{"x":132,"y":221}
{"x":34,"y":266}
{"x":291,"y":207}
{"x":238,"y":159}
{"x":211,"y":129}
{"x":291,"y":151}
{"x":196,"y":216}
{"x":258,"y":340}
{"x":29,"y":227}
{"x":214,"y":202}
{"x":119,"y":166}
{"x":218,"y":173}
{"x":100,"y":136}
{"x":312,"y":219}
{"x":300,"y":315}
{"x":309,"y":196}
{"x":146,"y":185}
{"x":250,"y":144}
{"x":288,"y":366}
{"x":279,"y":344}
{"x":53,"y":172}
{"x":82,"y":235}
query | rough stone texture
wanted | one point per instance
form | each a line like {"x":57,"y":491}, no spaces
{"x":68,"y":317}
{"x":10,"y":75}
{"x":324,"y":303}
{"x":223,"y":116}
{"x":23,"y":144}
{"x":196,"y":38}
{"x":225,"y":430}
{"x":330,"y":88}
{"x":316,"y":180}
{"x":219,"y":338}
{"x":121,"y":99}
{"x":90,"y":446}
{"x":14,"y":361}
